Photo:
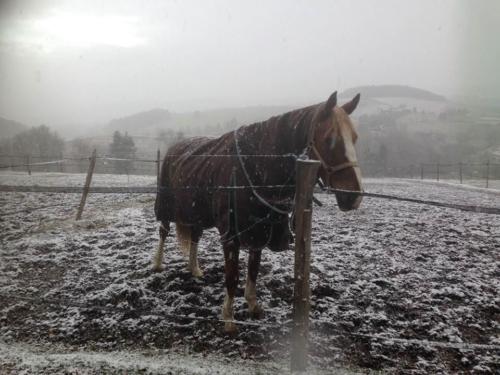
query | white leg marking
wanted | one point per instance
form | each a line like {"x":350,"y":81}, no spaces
{"x":158,"y":257}
{"x":228,"y":314}
{"x":227,"y":311}
{"x":183,"y":238}
{"x":251,"y":294}
{"x":193,"y":260}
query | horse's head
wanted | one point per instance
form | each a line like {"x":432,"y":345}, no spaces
{"x":333,"y":145}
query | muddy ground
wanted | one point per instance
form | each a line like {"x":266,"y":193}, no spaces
{"x":391,"y":269}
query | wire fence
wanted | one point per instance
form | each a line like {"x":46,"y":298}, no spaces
{"x":153,"y":190}
{"x":461,"y":207}
{"x":103,"y":168}
{"x":61,"y":163}
{"x":486,"y":173}
{"x":104,"y":164}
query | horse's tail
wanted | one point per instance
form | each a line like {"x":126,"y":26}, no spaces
{"x":163,"y":195}
{"x":183,"y":237}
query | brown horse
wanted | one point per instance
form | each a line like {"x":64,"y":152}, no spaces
{"x":242,"y":183}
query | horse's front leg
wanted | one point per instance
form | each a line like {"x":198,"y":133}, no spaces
{"x":231,"y":255}
{"x":250,"y":288}
{"x":158,"y":257}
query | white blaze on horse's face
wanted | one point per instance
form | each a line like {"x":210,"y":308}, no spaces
{"x":346,"y":130}
{"x":342,"y":137}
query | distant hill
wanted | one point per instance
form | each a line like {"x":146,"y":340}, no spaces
{"x":155,"y":118}
{"x":392,"y":91}
{"x":9,"y":128}
{"x":197,"y":122}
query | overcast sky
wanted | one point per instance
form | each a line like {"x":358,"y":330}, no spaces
{"x":89,"y":61}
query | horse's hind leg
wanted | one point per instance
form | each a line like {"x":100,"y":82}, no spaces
{"x":250,"y":287}
{"x":231,"y":255}
{"x":193,"y":265}
{"x":188,"y":237}
{"x":158,"y":257}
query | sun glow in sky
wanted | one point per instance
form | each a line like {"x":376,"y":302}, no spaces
{"x":63,"y":29}
{"x":88,"y":61}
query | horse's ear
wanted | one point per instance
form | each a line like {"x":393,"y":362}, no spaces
{"x":349,"y":107}
{"x":328,"y":107}
{"x":331,"y":102}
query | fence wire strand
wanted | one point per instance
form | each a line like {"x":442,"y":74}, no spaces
{"x":461,"y":207}
{"x":34,"y":164}
{"x":381,"y":337}
{"x":154,"y":189}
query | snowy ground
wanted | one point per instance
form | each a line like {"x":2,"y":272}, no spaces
{"x":57,"y":359}
{"x":84,"y":291}
{"x":73,"y":179}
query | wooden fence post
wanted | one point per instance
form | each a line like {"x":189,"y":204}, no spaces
{"x":86,"y":188}
{"x":158,"y":169}
{"x":28,"y":164}
{"x":437,"y":171}
{"x":487,"y":174}
{"x":421,"y":171}
{"x":460,"y":171}
{"x":306,"y":178}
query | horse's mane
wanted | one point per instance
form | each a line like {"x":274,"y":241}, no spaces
{"x":282,"y":134}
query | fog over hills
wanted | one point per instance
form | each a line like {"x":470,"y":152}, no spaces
{"x":373,"y":99}
{"x":137,"y":122}
{"x":393,"y":91}
{"x":196,"y":122}
{"x":399,"y":126}
{"x":9,"y":128}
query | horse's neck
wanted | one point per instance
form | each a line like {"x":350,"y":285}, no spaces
{"x":277,"y":140}
{"x":281,"y":135}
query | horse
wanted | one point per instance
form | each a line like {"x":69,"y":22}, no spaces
{"x":243,"y":184}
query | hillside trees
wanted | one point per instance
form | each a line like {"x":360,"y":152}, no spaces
{"x":39,"y":141}
{"x":122,"y":147}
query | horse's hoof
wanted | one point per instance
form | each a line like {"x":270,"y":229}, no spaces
{"x":197,"y":272}
{"x":257,"y":312}
{"x":230,"y":328}
{"x":158,"y":268}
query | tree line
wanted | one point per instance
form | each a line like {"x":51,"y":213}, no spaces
{"x":47,"y":144}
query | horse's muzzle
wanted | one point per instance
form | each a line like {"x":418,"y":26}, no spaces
{"x":348,"y":201}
